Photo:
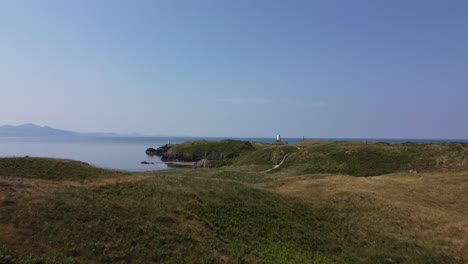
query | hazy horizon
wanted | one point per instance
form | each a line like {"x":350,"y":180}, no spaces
{"x":319,"y":69}
{"x":105,"y":134}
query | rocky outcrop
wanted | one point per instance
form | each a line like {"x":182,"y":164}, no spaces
{"x":150,"y":151}
{"x":159,"y":151}
{"x":206,"y":154}
{"x":203,"y":163}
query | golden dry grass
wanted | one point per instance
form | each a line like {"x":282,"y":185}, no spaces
{"x":428,"y":208}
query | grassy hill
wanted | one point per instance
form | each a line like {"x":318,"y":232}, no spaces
{"x":302,"y":212}
{"x":51,"y":169}
{"x":212,"y":150}
{"x":360,"y":158}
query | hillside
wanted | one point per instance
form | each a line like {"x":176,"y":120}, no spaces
{"x":340,"y":157}
{"x":368,"y":159}
{"x":203,"y":149}
{"x":33,"y":130}
{"x":309,"y":210}
{"x":51,"y":169}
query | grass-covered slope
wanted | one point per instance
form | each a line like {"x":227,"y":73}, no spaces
{"x":368,"y":159}
{"x":168,"y":219}
{"x":234,"y":214}
{"x":212,"y":150}
{"x":52,"y":169}
{"x":342,"y":157}
{"x":176,"y":217}
{"x":264,"y":157}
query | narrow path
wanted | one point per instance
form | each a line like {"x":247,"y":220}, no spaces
{"x":278,"y":165}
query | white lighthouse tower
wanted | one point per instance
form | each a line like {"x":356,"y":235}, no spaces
{"x":279,"y":140}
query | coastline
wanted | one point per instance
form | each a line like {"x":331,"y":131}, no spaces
{"x":171,"y":163}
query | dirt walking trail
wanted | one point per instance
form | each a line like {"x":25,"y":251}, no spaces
{"x":277,"y":165}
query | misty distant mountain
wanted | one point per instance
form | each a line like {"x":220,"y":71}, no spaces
{"x":32,"y":130}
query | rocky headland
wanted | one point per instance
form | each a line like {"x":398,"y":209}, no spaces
{"x":201,"y":153}
{"x":159,"y":151}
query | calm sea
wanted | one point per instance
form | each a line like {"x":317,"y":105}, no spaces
{"x":121,"y":153}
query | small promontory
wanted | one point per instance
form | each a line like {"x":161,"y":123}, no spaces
{"x":159,"y":151}
{"x":193,"y":151}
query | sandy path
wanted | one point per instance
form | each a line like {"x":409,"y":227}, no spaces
{"x":278,"y":165}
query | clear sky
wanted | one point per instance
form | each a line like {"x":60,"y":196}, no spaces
{"x":377,"y":68}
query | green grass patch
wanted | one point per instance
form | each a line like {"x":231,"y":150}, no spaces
{"x":7,"y":256}
{"x":370,"y":159}
{"x":117,"y":223}
{"x":269,"y":156}
{"x":212,"y":150}
{"x":51,"y":169}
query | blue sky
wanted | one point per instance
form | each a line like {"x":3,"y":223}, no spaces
{"x":380,"y":69}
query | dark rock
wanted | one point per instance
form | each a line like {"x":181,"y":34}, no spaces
{"x":150,"y":151}
{"x":146,"y":162}
{"x":159,"y":151}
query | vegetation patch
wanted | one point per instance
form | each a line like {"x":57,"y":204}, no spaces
{"x":270,"y":156}
{"x":7,"y":256}
{"x":51,"y":169}
{"x":211,"y":150}
{"x":370,"y":159}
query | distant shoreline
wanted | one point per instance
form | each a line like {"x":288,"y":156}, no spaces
{"x":290,"y":140}
{"x":33,"y":131}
